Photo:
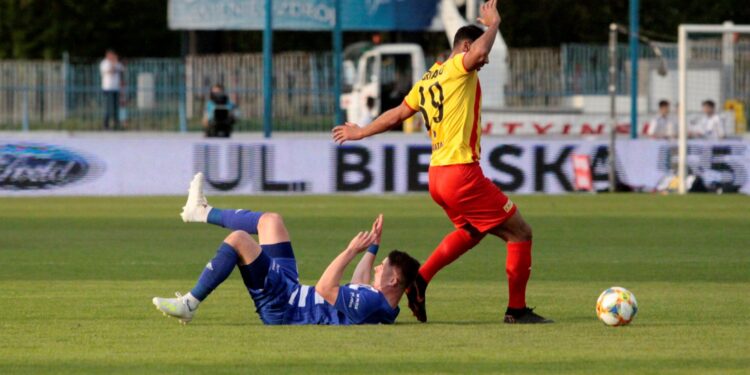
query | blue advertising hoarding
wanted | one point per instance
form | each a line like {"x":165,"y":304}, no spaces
{"x":382,"y":15}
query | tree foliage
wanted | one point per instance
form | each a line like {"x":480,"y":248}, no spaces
{"x":531,"y":23}
{"x":85,"y":28}
{"x":46,"y":29}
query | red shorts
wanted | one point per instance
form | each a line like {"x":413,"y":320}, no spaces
{"x":468,"y":197}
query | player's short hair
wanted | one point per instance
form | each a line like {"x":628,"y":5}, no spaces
{"x":663,"y":103}
{"x":468,"y":32}
{"x":407,"y":266}
{"x":710,"y":103}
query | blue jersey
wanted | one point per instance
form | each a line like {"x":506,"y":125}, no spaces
{"x":355,"y":304}
{"x":281,"y":299}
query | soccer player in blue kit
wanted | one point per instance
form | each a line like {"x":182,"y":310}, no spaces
{"x":269,"y":271}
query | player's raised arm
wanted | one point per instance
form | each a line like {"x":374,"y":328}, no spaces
{"x":328,"y":285}
{"x":362,"y":274}
{"x":388,"y":119}
{"x":479,"y":51}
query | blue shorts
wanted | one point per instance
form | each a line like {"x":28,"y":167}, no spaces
{"x":271,"y":279}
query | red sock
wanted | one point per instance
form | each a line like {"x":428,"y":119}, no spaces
{"x":453,"y":246}
{"x":518,"y":269}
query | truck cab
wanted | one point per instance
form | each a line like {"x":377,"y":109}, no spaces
{"x":379,"y":79}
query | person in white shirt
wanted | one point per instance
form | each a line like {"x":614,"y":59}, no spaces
{"x":111,"y":71}
{"x":662,"y":126}
{"x":710,"y":125}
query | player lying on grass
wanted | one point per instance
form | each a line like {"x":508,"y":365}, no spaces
{"x":269,"y":271}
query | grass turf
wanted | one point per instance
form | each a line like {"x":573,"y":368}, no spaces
{"x":78,"y":275}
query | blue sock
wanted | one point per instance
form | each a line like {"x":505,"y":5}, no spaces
{"x":217,"y":270}
{"x":235,"y":219}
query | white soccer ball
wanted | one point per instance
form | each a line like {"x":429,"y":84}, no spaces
{"x":616,"y":306}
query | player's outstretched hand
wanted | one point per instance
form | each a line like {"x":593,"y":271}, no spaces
{"x":347,"y":132}
{"x":488,"y":14}
{"x":361,"y":241}
{"x":377,"y":229}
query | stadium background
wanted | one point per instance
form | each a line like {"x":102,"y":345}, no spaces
{"x":550,"y":94}
{"x":89,"y":230}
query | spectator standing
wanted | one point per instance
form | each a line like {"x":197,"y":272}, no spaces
{"x":111,"y":71}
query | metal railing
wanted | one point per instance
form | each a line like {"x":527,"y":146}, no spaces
{"x":170,"y":94}
{"x":303,"y":89}
{"x":535,"y":78}
{"x":28,"y":94}
{"x":167,"y":94}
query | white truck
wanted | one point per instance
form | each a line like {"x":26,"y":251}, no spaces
{"x":384,"y":74}
{"x":380,"y":79}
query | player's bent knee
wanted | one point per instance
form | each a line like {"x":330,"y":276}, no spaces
{"x":271,"y":229}
{"x":244,"y":245}
{"x":519,"y":232}
{"x":237,"y":238}
{"x":271,"y":218}
{"x":526,"y":232}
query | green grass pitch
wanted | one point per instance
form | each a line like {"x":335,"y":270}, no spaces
{"x":77,"y":276}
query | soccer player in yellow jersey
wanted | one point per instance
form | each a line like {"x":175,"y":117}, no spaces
{"x":449,"y":97}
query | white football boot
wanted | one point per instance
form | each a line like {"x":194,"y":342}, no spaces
{"x":196,"y":208}
{"x":179,"y":307}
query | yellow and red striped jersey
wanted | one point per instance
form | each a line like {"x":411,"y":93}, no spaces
{"x":450,"y":99}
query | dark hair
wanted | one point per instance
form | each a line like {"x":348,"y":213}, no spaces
{"x":407,"y":266}
{"x":663,"y":103}
{"x":370,"y":102}
{"x":468,"y":32}
{"x":710,"y":103}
